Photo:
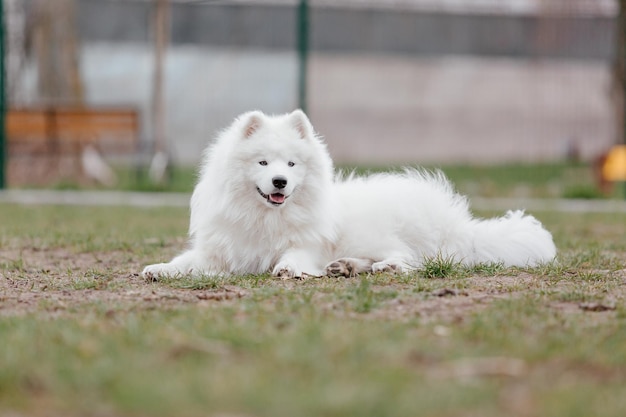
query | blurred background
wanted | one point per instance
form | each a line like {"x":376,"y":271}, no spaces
{"x":509,"y":97}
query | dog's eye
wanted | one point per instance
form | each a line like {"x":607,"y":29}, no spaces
{"x":290,"y":163}
{"x":264,"y":163}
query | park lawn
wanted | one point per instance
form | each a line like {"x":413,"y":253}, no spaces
{"x":82,"y":334}
{"x":539,"y":180}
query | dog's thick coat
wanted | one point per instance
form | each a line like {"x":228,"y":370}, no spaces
{"x":267,"y":200}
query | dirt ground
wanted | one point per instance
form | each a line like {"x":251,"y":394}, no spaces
{"x":58,"y":280}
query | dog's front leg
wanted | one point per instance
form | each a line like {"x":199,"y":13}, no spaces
{"x":192,"y":262}
{"x":296,"y":262}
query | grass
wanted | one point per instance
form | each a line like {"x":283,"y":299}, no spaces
{"x":84,"y":335}
{"x":546,"y":180}
{"x":439,"y":266}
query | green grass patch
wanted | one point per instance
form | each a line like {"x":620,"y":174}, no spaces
{"x":540,"y":180}
{"x":439,"y":266}
{"x":545,"y":180}
{"x":83,"y":334}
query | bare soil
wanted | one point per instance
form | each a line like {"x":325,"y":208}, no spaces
{"x":58,"y":280}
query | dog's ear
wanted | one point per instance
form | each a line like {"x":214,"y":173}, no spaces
{"x":302,"y":124}
{"x":252,"y":121}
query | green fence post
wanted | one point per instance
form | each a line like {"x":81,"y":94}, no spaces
{"x":302,"y":27}
{"x":3,"y":147}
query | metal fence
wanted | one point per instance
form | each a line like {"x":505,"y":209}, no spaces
{"x":397,"y":81}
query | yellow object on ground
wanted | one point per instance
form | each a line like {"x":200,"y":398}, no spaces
{"x":614,"y":167}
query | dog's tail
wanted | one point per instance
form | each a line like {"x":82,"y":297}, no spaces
{"x":515,"y":239}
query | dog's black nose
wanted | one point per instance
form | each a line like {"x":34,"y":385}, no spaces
{"x":279,"y":182}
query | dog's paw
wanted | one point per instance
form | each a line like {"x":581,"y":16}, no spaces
{"x":286,"y":271}
{"x":156,"y":271}
{"x":340,"y":268}
{"x":386,"y":266}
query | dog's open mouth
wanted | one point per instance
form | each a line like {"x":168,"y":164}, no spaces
{"x":275,"y":198}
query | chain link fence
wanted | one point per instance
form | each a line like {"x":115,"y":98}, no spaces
{"x":396,"y":81}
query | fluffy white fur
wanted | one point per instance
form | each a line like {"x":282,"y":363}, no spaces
{"x":267,"y":200}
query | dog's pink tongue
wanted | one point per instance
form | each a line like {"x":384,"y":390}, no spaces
{"x":277,"y":198}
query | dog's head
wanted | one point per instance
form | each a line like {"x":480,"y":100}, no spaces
{"x":276,"y":153}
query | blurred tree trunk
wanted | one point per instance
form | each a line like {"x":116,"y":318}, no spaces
{"x":161,"y":35}
{"x":56,"y":51}
{"x":15,"y":52}
{"x":619,"y":74}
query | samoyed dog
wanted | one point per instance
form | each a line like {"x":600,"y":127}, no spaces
{"x":267,"y":200}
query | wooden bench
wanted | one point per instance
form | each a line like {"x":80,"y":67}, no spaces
{"x":46,"y":144}
{"x":67,"y":130}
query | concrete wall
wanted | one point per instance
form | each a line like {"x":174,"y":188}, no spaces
{"x":384,"y":86}
{"x":356,"y":30}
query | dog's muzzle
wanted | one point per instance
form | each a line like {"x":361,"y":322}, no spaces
{"x":275,"y":199}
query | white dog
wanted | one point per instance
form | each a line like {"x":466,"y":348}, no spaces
{"x":267,"y":200}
